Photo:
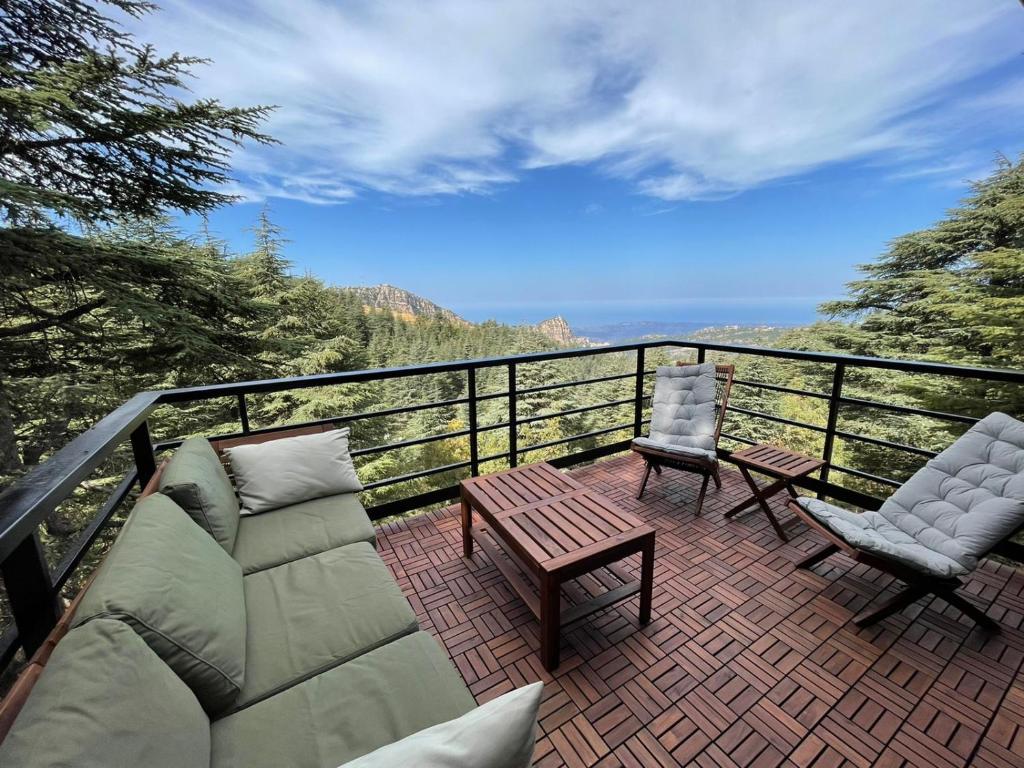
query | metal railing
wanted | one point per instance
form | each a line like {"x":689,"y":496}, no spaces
{"x":33,"y":588}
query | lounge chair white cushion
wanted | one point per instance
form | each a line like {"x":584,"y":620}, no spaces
{"x":950,"y":512}
{"x":681,"y":450}
{"x":870,"y":532}
{"x":683,"y":407}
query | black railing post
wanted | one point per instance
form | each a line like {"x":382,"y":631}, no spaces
{"x":33,"y":601}
{"x":243,"y":413}
{"x":474,"y":449}
{"x":833,"y":419}
{"x":638,"y":402}
{"x":701,"y":354}
{"x":513,"y":428}
{"x":142,"y":448}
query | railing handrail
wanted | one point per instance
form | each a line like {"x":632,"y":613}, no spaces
{"x":29,"y":500}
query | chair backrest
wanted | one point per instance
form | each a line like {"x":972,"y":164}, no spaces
{"x":724,"y":375}
{"x":970,"y":497}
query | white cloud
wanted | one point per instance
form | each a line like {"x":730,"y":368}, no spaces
{"x":684,"y":100}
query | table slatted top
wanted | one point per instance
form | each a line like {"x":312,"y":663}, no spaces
{"x":777,"y":461}
{"x":551,"y":518}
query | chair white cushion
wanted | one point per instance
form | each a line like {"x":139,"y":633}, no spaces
{"x":498,"y":734}
{"x":870,"y":532}
{"x":683,"y":407}
{"x":681,"y":450}
{"x":952,"y":511}
{"x":279,"y":473}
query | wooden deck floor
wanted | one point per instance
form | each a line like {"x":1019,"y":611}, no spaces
{"x":747,"y":661}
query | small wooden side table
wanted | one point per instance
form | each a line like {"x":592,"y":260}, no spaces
{"x":785,"y":466}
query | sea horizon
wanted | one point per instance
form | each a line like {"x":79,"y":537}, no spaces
{"x":784,"y":311}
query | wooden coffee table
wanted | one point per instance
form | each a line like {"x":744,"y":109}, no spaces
{"x":783,"y":465}
{"x":552,"y":529}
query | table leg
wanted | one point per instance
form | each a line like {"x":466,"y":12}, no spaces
{"x":550,"y":620}
{"x":467,"y":527}
{"x":646,"y":579}
{"x":762,"y":496}
{"x":759,"y":493}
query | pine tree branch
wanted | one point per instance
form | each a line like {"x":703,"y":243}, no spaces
{"x":50,"y":320}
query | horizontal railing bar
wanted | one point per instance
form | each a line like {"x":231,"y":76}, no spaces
{"x":576,"y":383}
{"x":777,"y":419}
{"x":780,"y":388}
{"x":581,"y":409}
{"x":410,"y":443}
{"x":583,"y":436}
{"x":886,"y":444}
{"x":856,"y":401}
{"x":867,"y":475}
{"x":738,"y":439}
{"x":409,"y":503}
{"x":26,"y":503}
{"x":67,"y":565}
{"x":416,"y":475}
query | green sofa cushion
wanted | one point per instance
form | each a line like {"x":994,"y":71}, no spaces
{"x":300,"y":530}
{"x":316,"y":613}
{"x":181,"y":593}
{"x":195,"y":479}
{"x":375,"y":699}
{"x":105,"y":699}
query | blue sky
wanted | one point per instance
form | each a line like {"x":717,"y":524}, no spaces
{"x":508,"y":158}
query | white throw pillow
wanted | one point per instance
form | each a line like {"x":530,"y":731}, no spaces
{"x":498,"y":734}
{"x":287,"y":471}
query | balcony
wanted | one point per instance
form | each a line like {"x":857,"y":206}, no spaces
{"x":747,"y":660}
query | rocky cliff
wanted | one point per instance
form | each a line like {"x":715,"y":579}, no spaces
{"x":558,"y":330}
{"x":403,"y":303}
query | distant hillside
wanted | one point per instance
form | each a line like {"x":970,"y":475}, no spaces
{"x":402,"y":303}
{"x":618,"y":333}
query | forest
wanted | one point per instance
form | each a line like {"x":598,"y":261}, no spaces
{"x":102,"y":294}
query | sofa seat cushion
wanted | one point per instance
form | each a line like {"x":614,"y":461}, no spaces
{"x":195,"y":480}
{"x":870,"y":532}
{"x":316,"y":613}
{"x":373,"y":700}
{"x":105,"y":699}
{"x":175,"y":586}
{"x":301,"y":530}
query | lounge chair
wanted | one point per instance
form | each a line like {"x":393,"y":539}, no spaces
{"x":937,"y":526}
{"x":686,"y":420}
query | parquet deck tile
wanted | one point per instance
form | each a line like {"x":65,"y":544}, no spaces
{"x":747,"y":661}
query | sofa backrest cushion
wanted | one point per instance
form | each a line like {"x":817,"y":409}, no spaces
{"x":683,"y":408}
{"x":968,"y":498}
{"x":181,"y":593}
{"x":105,"y":699}
{"x":195,"y":479}
{"x":280,"y":473}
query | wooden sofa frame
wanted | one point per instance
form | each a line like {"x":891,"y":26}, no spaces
{"x":708,"y":469}
{"x":16,"y":697}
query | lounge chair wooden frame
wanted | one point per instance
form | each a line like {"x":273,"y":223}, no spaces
{"x":918,"y":584}
{"x":656,"y":460}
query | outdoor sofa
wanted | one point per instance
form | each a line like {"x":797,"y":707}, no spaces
{"x":210,"y":638}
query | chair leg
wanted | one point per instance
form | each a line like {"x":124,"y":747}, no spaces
{"x":703,"y":491}
{"x":657,"y":469}
{"x":894,"y":604}
{"x":717,"y":479}
{"x":817,"y":556}
{"x":643,"y":483}
{"x":969,"y":609}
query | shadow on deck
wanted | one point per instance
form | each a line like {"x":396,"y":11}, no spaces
{"x":747,"y":661}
